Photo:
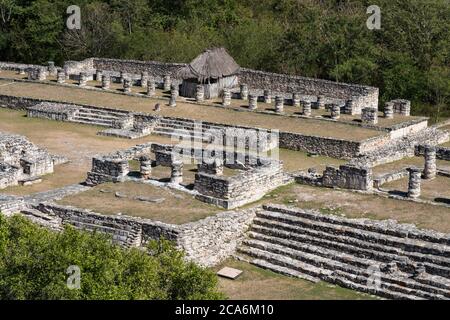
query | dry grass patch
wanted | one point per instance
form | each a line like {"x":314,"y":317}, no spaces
{"x":260,"y":284}
{"x":407,"y":162}
{"x":177,"y":207}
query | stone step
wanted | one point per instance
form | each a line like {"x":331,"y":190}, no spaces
{"x":182,"y":136}
{"x":433,"y":265}
{"x":45,"y":220}
{"x":369,"y":236}
{"x":335,"y":260}
{"x":283,"y":270}
{"x":96,"y":116}
{"x":327,"y":275}
{"x":114,"y":113}
{"x":91,"y":122}
{"x":364,"y":224}
{"x":188,"y":124}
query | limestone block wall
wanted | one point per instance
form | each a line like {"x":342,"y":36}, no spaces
{"x":348,"y":177}
{"x":206,"y":242}
{"x":154,"y":68}
{"x":9,"y":175}
{"x":363,"y":96}
{"x":213,"y":239}
{"x":331,"y":147}
{"x":52,"y":111}
{"x":408,"y":127}
{"x":12,"y":66}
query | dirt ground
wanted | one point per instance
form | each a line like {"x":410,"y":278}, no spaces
{"x":260,"y":284}
{"x":192,"y":111}
{"x":358,"y":205}
{"x":437,"y":189}
{"x":177,"y":207}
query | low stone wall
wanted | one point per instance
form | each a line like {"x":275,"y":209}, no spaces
{"x":206,"y":242}
{"x":348,"y":177}
{"x":389,"y":177}
{"x":331,"y":147}
{"x":363,"y":96}
{"x":52,"y":111}
{"x":12,"y":66}
{"x":407,"y":127}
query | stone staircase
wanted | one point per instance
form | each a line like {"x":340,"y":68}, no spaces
{"x":181,"y":129}
{"x":394,"y":261}
{"x":127,"y":235}
{"x":98,"y":117}
{"x":45,"y":220}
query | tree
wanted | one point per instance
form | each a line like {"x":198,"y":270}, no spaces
{"x":34,"y":261}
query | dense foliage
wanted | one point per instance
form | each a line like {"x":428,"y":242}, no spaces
{"x":408,"y":58}
{"x":34,"y":263}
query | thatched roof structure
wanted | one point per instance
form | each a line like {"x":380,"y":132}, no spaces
{"x":212,"y":63}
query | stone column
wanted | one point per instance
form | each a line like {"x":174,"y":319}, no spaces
{"x":41,"y":74}
{"x":267,"y":96}
{"x":405,"y":108}
{"x":167,"y":82}
{"x":306,"y":108}
{"x":31,"y":75}
{"x":429,"y":171}
{"x":216,"y":167}
{"x":146,"y":167}
{"x":176,"y":175}
{"x":144,"y":79}
{"x":253,"y":101}
{"x":320,"y":104}
{"x":61,"y":77}
{"x":151,"y":87}
{"x":127,"y":85}
{"x":106,"y":81}
{"x":21,"y":71}
{"x":296,"y":99}
{"x":122,"y":76}
{"x":369,"y":115}
{"x":98,"y":75}
{"x":349,"y":106}
{"x":279,"y":104}
{"x":51,"y":68}
{"x":244,"y":91}
{"x":82,"y":81}
{"x":335,"y":110}
{"x":226,"y":97}
{"x":388,"y":111}
{"x":200,"y":93}
{"x":173,"y":97}
{"x":414,"y":182}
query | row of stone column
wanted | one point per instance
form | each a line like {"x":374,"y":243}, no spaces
{"x":176,"y":175}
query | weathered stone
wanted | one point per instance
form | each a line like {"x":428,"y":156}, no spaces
{"x":267,"y":96}
{"x":127,"y":85}
{"x":429,"y":171}
{"x":176,"y":175}
{"x":106,"y":81}
{"x":306,"y":108}
{"x":296,"y":99}
{"x":335,"y":110}
{"x":61,"y":77}
{"x":414,"y":182}
{"x":82,"y":81}
{"x":200,"y":93}
{"x":243,"y":91}
{"x":151,"y":87}
{"x":388,"y":111}
{"x":369,"y":116}
{"x":98,"y":75}
{"x":226,"y":97}
{"x":253,"y":101}
{"x":144,"y":79}
{"x":167,"y":82}
{"x":51,"y":68}
{"x":173,"y":97}
{"x":279,"y":104}
{"x":145,"y":167}
{"x":320,"y":102}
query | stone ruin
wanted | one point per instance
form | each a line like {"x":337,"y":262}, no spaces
{"x":22,"y":162}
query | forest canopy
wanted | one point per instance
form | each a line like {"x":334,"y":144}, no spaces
{"x":409,"y":57}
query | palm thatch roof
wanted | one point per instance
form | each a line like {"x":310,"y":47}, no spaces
{"x":212,"y":63}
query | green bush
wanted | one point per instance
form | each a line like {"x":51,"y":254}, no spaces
{"x":34,"y":263}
